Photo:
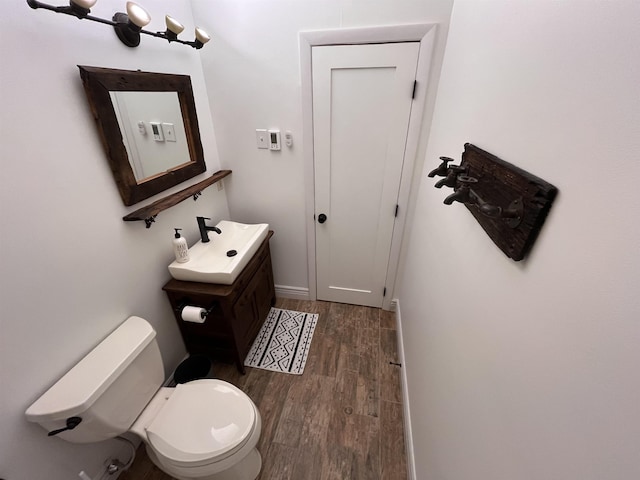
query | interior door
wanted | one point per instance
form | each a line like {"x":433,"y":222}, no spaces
{"x":362,"y":98}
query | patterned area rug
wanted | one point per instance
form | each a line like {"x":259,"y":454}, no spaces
{"x":283,"y":342}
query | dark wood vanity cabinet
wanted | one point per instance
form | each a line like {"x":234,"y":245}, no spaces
{"x":236,"y":314}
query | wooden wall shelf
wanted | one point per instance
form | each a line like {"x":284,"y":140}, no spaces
{"x":148,"y":213}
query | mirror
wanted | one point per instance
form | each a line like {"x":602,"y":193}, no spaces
{"x":148,"y":126}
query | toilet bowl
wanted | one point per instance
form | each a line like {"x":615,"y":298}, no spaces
{"x":187,"y":438}
{"x":201,"y":430}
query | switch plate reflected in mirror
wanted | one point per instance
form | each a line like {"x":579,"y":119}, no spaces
{"x":133,"y":154}
{"x":147,"y":157}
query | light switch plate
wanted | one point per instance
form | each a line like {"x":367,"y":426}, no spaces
{"x":262,"y":138}
{"x":169,"y":132}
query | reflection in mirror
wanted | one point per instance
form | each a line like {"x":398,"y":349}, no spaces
{"x":152,"y":131}
{"x":148,"y":126}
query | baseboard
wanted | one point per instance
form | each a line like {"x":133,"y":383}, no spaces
{"x":408,"y":435}
{"x":294,"y":293}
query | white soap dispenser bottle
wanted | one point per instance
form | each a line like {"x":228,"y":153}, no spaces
{"x":180,"y":248}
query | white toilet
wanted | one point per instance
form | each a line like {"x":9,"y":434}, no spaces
{"x":204,"y":429}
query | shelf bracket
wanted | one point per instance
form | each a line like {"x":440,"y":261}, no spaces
{"x":149,"y":220}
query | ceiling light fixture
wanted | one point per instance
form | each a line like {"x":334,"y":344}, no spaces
{"x":128,"y":26}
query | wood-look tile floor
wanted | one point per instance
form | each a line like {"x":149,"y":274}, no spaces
{"x":341,"y":419}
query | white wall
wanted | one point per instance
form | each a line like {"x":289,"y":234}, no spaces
{"x":253,"y":79}
{"x":530,"y":370}
{"x":72,"y":270}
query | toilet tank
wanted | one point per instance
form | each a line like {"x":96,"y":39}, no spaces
{"x":107,"y":389}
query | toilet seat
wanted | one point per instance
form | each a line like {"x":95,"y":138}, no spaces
{"x":202,"y":422}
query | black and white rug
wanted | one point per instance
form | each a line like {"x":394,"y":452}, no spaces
{"x":283,"y":342}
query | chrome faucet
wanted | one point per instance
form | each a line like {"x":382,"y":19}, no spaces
{"x":204,"y":230}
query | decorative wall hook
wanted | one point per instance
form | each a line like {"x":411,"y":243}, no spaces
{"x":462,"y":190}
{"x":442,"y":169}
{"x":509,"y":203}
{"x":452,"y":177}
{"x":128,"y":26}
{"x":465,"y":194}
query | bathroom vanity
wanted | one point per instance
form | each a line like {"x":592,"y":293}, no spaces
{"x":235,"y":312}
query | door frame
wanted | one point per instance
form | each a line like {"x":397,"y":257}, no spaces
{"x":423,"y":33}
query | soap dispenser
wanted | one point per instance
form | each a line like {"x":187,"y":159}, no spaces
{"x":180,"y":247}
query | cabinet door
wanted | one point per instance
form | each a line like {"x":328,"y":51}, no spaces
{"x":246,"y":313}
{"x":265,"y":293}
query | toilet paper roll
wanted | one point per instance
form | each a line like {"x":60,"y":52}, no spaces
{"x":193,"y":314}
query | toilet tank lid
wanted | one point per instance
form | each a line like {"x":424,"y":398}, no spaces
{"x":78,"y":389}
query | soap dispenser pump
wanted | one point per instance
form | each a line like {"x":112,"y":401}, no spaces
{"x":180,"y":247}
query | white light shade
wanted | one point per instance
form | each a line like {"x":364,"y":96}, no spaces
{"x":138,"y":15}
{"x":173,"y":25}
{"x":84,"y":3}
{"x":202,"y":36}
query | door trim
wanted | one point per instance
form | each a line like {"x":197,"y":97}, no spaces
{"x":423,"y":33}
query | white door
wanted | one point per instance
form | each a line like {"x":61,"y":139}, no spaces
{"x":362,"y":97}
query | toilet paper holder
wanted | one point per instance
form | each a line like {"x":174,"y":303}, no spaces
{"x":186,"y":302}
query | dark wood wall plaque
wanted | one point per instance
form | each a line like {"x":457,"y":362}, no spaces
{"x":509,"y":203}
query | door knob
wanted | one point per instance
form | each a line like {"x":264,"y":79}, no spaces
{"x":322,"y":218}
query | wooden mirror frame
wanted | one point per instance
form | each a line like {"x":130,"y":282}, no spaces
{"x":98,"y":82}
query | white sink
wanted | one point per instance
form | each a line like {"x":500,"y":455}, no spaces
{"x":210,"y":262}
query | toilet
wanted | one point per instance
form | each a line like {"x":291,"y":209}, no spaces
{"x":204,"y":429}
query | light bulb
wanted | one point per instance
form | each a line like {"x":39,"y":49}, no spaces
{"x":173,"y":25}
{"x":84,"y":3}
{"x":202,"y":36}
{"x":137,"y":15}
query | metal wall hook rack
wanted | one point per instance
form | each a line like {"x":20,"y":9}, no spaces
{"x":509,"y":203}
